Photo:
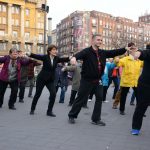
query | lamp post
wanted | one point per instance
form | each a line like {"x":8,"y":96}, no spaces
{"x":45,"y":9}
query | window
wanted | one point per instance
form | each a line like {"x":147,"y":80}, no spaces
{"x":40,"y":49}
{"x":17,"y":10}
{"x":2,"y":32}
{"x":0,"y":7}
{"x":28,"y":47}
{"x":17,"y":45}
{"x":3,"y":46}
{"x":27,"y":12}
{"x":27,"y":23}
{"x":4,"y":8}
{"x":13,"y":9}
{"x":27,"y":36}
{"x":15,"y":33}
{"x":13,"y":22}
{"x":40,"y":37}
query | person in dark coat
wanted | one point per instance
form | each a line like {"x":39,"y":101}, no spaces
{"x":94,"y":60}
{"x":61,"y":80}
{"x":46,"y":77}
{"x":31,"y":76}
{"x":143,"y":89}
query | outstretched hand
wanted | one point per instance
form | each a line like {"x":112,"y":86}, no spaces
{"x":137,"y":54}
{"x":73,"y":61}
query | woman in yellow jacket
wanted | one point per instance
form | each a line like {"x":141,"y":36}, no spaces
{"x":131,"y":70}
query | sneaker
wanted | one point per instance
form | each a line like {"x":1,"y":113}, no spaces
{"x":12,"y":107}
{"x":122,"y":113}
{"x":89,"y":100}
{"x":114,"y":107}
{"x":51,"y":114}
{"x":135,"y":132}
{"x":132,"y":104}
{"x":71,"y":120}
{"x":99,"y":122}
{"x":105,"y":101}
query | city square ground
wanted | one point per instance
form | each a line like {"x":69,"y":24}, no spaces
{"x":21,"y":131}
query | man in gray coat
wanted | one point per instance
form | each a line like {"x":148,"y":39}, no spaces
{"x":76,"y":69}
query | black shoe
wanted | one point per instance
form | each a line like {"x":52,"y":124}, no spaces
{"x":85,"y":106}
{"x":0,"y":106}
{"x":12,"y":107}
{"x":30,"y":96}
{"x":21,"y":101}
{"x":71,"y":120}
{"x":144,"y":115}
{"x":51,"y":114}
{"x":99,"y":122}
{"x":122,"y":113}
{"x":32,"y":112}
{"x":69,"y":104}
{"x":61,"y":102}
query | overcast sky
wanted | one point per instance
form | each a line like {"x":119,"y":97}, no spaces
{"x":131,"y":9}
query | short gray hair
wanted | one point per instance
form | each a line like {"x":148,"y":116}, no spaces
{"x":95,"y":35}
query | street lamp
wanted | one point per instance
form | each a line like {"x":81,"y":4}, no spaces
{"x":45,"y":8}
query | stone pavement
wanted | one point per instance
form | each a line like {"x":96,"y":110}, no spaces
{"x":21,"y":131}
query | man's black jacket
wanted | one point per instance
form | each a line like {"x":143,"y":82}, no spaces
{"x":90,"y":63}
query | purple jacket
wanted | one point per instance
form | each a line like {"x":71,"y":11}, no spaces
{"x":4,"y":72}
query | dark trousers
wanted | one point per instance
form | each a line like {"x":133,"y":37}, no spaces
{"x":31,"y":85}
{"x":13,"y":94}
{"x":92,"y":93}
{"x":141,"y":107}
{"x":22,"y":86}
{"x":83,"y":93}
{"x":132,"y":98}
{"x":72,"y":97}
{"x":116,"y":84}
{"x":39,"y":88}
{"x":124,"y":92}
{"x":105,"y":88}
{"x":139,"y":112}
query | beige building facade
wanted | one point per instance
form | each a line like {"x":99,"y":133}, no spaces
{"x":21,"y":25}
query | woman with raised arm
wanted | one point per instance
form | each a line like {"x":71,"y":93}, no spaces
{"x":46,"y":77}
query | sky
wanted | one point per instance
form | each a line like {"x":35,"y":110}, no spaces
{"x":132,"y":9}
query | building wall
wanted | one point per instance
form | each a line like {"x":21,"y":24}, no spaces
{"x":22,"y":27}
{"x":75,"y":31}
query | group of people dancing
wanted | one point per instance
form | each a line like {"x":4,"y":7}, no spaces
{"x":90,"y":76}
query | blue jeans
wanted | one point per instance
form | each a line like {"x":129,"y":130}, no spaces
{"x":62,"y":94}
{"x":132,"y":98}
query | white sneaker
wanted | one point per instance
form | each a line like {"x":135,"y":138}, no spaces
{"x":105,"y":101}
{"x":89,"y":100}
